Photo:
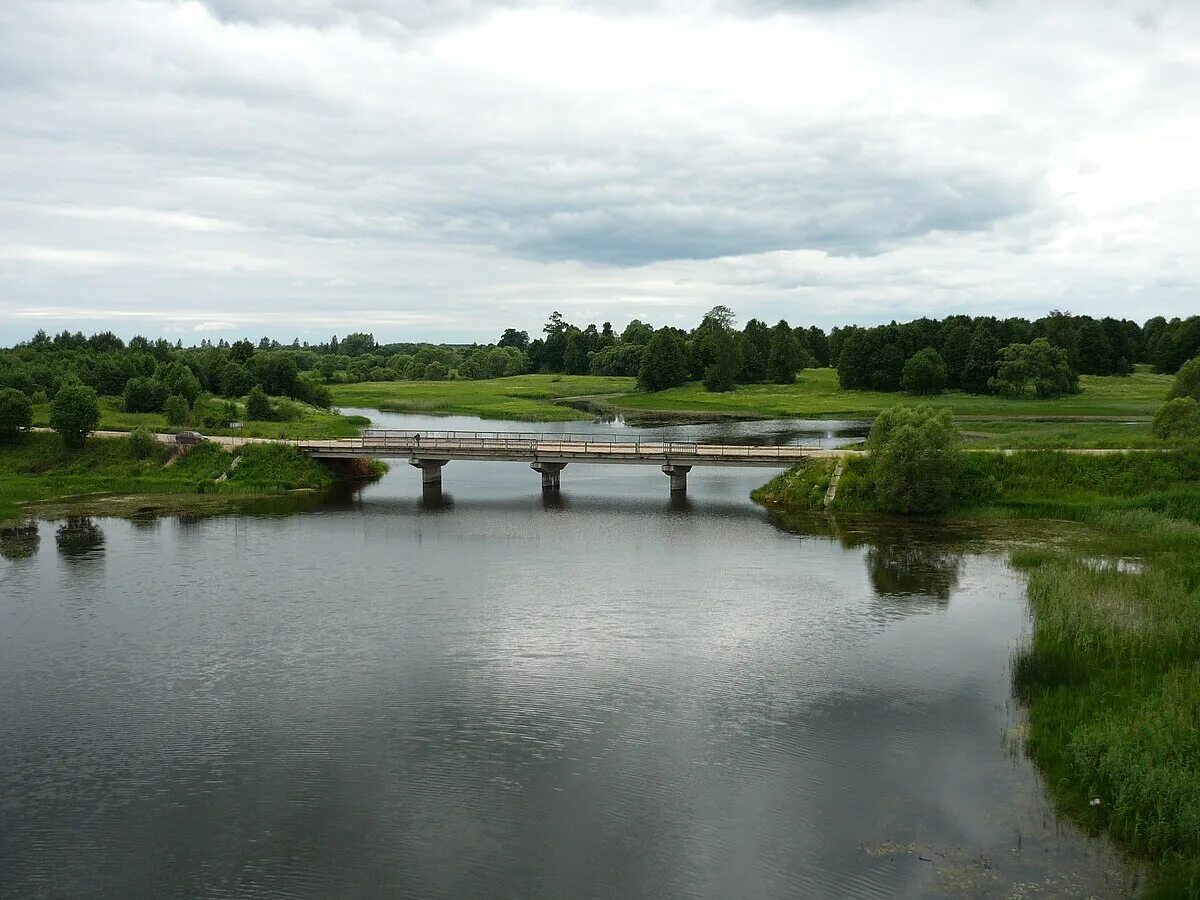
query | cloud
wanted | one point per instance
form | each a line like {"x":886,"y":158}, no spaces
{"x":446,"y":170}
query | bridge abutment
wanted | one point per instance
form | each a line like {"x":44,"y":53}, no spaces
{"x":678,"y":476}
{"x":431,"y":470}
{"x":550,"y":472}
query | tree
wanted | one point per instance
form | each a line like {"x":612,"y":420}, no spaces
{"x":1179,"y":417}
{"x":237,"y":380}
{"x":258,"y":407}
{"x":663,"y":364}
{"x":75,"y":413}
{"x":16,"y":412}
{"x":179,"y":379}
{"x":514,"y":338}
{"x":436,"y":371}
{"x":619,"y":359}
{"x":242,"y":350}
{"x":177,"y":410}
{"x":914,"y":459}
{"x":1037,"y":363}
{"x":143,"y":395}
{"x":637,"y":332}
{"x":783,"y":359}
{"x":980,"y":364}
{"x":855,"y":359}
{"x":1187,"y":380}
{"x":721,"y":375}
{"x":924,"y":373}
{"x":575,"y":356}
{"x":357,"y":344}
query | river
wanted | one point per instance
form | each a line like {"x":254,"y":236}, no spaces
{"x":491,"y":693}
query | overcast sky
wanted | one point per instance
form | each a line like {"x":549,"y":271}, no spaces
{"x":442,"y":170}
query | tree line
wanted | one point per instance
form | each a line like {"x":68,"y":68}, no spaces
{"x":982,"y":354}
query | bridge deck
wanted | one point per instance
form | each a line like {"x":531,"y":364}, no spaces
{"x":530,"y":447}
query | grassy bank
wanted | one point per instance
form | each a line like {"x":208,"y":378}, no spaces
{"x":309,"y":422}
{"x":1111,"y":674}
{"x":529,"y":397}
{"x":38,"y":468}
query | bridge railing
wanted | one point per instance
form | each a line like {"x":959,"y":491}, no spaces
{"x":414,"y":441}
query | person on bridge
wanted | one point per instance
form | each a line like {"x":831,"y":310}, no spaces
{"x":417,"y":438}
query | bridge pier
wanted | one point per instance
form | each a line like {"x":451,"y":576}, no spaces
{"x":431,"y":470}
{"x":550,"y":473}
{"x":678,"y":476}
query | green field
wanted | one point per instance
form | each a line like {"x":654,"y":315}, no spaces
{"x":815,"y":394}
{"x":525,"y":397}
{"x":37,"y":467}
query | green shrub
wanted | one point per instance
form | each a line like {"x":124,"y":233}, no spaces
{"x":143,"y":395}
{"x":16,"y":412}
{"x":1177,"y":418}
{"x":177,"y":410}
{"x":1187,"y":381}
{"x":924,"y":373}
{"x":142,"y":444}
{"x":258,"y":407}
{"x":74,"y":413}
{"x":915,"y":459}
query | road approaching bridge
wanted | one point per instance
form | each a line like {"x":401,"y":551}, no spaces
{"x":548,"y":454}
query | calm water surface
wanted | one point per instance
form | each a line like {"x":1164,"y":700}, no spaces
{"x":489,"y":693}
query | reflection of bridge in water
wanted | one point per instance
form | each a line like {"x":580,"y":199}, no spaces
{"x":549,"y":454}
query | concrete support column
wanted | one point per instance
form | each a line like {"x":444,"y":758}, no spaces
{"x":431,"y":469}
{"x":678,"y":476}
{"x":550,"y":473}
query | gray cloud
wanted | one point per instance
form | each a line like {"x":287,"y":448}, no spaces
{"x":458,"y":166}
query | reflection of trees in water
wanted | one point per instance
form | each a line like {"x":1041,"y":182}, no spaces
{"x":904,"y":559}
{"x":79,"y":538}
{"x":19,"y":541}
{"x":914,"y":567}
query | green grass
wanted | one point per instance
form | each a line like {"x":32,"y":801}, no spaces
{"x":311,"y":423}
{"x":816,"y":393}
{"x":1030,"y":435}
{"x":37,"y":467}
{"x":528,"y":397}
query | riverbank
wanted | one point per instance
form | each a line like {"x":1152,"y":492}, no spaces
{"x":304,"y":422}
{"x":1109,"y":412}
{"x":118,"y":474}
{"x":1111,"y":674}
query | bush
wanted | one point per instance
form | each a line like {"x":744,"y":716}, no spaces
{"x":258,"y":407}
{"x":16,"y":412}
{"x":143,"y":395}
{"x":924,"y":373}
{"x":177,"y":410}
{"x":915,"y":460}
{"x":1187,"y":381}
{"x":141,"y":444}
{"x":1177,"y":418}
{"x":75,"y":413}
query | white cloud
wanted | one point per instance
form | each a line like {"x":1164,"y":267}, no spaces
{"x":446,"y":170}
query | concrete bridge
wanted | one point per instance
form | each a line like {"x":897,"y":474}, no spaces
{"x":549,"y":454}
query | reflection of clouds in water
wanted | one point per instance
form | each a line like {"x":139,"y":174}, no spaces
{"x":79,"y":538}
{"x":19,"y":541}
